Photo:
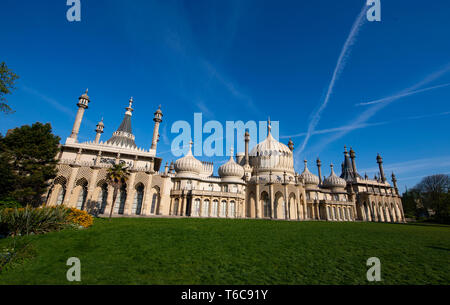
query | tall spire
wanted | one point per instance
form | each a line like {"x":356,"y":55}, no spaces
{"x":348,"y":169}
{"x":123,"y":136}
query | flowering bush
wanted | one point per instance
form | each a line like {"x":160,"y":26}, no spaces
{"x":81,"y":218}
{"x":28,"y":220}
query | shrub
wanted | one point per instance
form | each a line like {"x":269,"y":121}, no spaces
{"x":24,"y":221}
{"x":5,"y":204}
{"x":81,"y":218}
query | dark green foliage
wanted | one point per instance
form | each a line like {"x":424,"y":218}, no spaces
{"x":28,"y":220}
{"x":227,"y":251}
{"x":9,"y":204}
{"x":27,"y":163}
{"x":7,"y":79}
{"x":16,"y":253}
{"x":429,"y":199}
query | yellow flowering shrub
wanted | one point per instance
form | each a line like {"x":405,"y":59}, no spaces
{"x":79,"y":217}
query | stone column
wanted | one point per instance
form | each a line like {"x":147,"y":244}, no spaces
{"x":91,"y":189}
{"x":257,"y":201}
{"x":69,"y":186}
{"x":131,"y":191}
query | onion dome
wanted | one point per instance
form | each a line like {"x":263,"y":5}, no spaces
{"x":271,"y":155}
{"x":231,"y":170}
{"x":309,"y":177}
{"x":188,"y":165}
{"x":334,"y":181}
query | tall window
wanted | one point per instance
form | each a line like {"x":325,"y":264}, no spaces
{"x":155,"y":199}
{"x":205,"y":208}
{"x":61,"y":195}
{"x":214,"y":208}
{"x":223,"y":209}
{"x":137,"y":202}
{"x":232,"y":209}
{"x":175,"y":207}
{"x":266,"y":207}
{"x":102,"y":197}
{"x":196,"y":208}
{"x":82,"y":197}
{"x":119,"y":205}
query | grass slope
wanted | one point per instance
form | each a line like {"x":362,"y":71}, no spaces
{"x":225,"y":251}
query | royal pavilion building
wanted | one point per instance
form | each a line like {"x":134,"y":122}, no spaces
{"x":258,"y":183}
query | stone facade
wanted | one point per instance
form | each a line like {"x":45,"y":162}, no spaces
{"x":261,"y":184}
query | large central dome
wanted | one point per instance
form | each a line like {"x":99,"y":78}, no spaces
{"x":272,"y":156}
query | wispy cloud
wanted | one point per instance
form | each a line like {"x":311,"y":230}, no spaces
{"x":365,"y":125}
{"x":398,"y":96}
{"x":340,"y":64}
{"x":366,"y":115}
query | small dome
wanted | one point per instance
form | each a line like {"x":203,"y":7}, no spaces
{"x":309,"y":177}
{"x":188,"y":164}
{"x":231,"y":170}
{"x":334,"y":181}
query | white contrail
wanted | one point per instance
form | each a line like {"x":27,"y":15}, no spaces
{"x":371,"y":111}
{"x":395,"y":97}
{"x":337,"y":71}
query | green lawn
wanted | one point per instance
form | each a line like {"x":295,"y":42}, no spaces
{"x":222,"y":251}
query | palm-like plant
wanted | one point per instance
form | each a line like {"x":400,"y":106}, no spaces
{"x":116,"y":177}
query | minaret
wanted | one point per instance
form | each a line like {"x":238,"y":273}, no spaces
{"x":394,"y":181}
{"x":352,"y":156}
{"x":247,"y":140}
{"x":380,"y":165}
{"x":99,"y":131}
{"x":157,"y":119}
{"x":319,"y":165}
{"x":83,"y":102}
{"x":291,"y":144}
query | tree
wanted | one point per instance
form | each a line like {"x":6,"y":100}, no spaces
{"x":117,"y":176}
{"x":28,"y":163}
{"x":7,"y":80}
{"x":434,"y":195}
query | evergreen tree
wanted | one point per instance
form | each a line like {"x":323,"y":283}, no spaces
{"x":28,"y":163}
{"x":7,"y":79}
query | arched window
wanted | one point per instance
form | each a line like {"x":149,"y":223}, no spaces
{"x":119,"y":206}
{"x":61,"y":195}
{"x":214,"y":208}
{"x":223,"y":209}
{"x":196,"y":208}
{"x":265,"y":204}
{"x":102,"y":197}
{"x":232,"y":209}
{"x":205,"y":208}
{"x":82,"y":197}
{"x":137,"y":202}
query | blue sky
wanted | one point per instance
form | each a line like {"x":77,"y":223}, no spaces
{"x":243,"y":60}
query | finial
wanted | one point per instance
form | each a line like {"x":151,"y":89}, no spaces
{"x":306,"y":163}
{"x":269,"y":126}
{"x":131,"y":102}
{"x":87,"y":90}
{"x":332,"y":170}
